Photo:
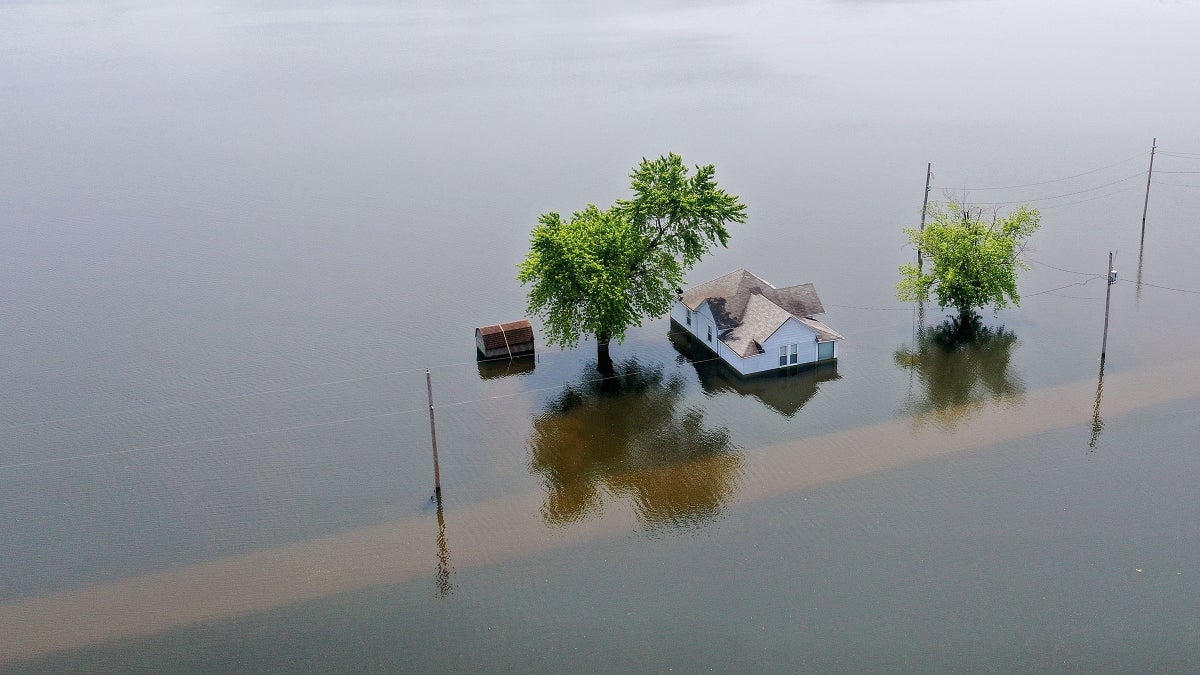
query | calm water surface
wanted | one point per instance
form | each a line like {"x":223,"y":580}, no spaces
{"x":236,"y":234}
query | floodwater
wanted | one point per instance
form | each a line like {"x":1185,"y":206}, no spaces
{"x":236,"y":235}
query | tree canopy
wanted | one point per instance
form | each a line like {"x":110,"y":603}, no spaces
{"x":970,"y":262}
{"x":602,"y":271}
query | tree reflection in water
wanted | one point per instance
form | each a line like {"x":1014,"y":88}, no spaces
{"x":626,"y":437}
{"x":961,"y":367}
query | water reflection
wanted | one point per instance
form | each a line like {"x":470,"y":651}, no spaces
{"x":444,"y":569}
{"x":785,"y":392}
{"x":1137,"y":297}
{"x":961,"y":367}
{"x":490,"y":369}
{"x":627,"y":437}
{"x":1097,"y":421}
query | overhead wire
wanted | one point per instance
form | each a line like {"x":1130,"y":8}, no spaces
{"x":1103,"y":276}
{"x":1089,"y":199}
{"x":317,"y":385}
{"x":198,"y":441}
{"x":1065,"y":194}
{"x":219,"y":399}
{"x":1062,"y":269}
{"x":214,"y":439}
{"x":1056,"y":180}
{"x":1165,"y":288}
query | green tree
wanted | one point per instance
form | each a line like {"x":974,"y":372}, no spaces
{"x":969,"y":262}
{"x":603,"y":271}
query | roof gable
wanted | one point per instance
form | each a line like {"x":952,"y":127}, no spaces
{"x":749,"y":309}
{"x":729,"y":295}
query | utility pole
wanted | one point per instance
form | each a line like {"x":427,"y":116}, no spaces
{"x":924,"y":207}
{"x":437,"y":473}
{"x":1112,"y":278}
{"x":1149,"y":175}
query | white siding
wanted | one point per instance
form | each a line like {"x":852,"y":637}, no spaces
{"x":679,"y":312}
{"x":702,"y":321}
{"x":792,"y":332}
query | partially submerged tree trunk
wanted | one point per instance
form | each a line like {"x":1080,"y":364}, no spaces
{"x":966,"y":317}
{"x":967,"y":325}
{"x":604,"y":362}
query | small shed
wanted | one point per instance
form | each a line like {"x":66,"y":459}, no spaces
{"x":504,"y":339}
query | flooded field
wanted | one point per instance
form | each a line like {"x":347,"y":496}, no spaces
{"x":236,"y":236}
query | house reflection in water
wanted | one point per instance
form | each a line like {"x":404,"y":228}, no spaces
{"x":631,"y":438}
{"x":784,"y":391}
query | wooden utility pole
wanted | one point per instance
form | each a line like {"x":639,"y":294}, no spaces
{"x":924,"y":207}
{"x":1107,"y":296}
{"x":1149,"y":175}
{"x":437,"y":473}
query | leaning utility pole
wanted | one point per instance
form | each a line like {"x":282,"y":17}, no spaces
{"x":1112,"y":279}
{"x":924,"y":207}
{"x":1149,"y":175}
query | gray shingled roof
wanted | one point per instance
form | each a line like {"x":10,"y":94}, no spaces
{"x":748,"y":309}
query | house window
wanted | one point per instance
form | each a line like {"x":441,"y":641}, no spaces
{"x":824,"y":350}
{"x":710,"y":333}
{"x":783,"y":355}
{"x":795,"y":353}
{"x":689,"y":317}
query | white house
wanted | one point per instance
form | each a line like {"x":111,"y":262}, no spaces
{"x":754,"y":326}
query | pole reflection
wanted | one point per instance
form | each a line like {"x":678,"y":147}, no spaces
{"x":1097,"y":421}
{"x":629,"y":437}
{"x":444,"y":570}
{"x":1137,"y":295}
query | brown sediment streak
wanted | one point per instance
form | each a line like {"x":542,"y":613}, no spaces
{"x":511,"y":527}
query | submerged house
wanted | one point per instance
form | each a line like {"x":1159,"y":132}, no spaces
{"x":755,"y":327}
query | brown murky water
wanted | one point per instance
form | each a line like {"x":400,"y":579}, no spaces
{"x":692,"y":483}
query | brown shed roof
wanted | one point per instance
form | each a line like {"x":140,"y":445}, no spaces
{"x":500,"y":335}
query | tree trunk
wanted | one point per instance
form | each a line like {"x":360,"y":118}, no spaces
{"x":604,"y":362}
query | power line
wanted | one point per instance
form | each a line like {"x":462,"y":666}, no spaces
{"x":1063,"y":269}
{"x":235,"y":397}
{"x":1089,"y":199}
{"x":1052,"y":290}
{"x":213,"y":439}
{"x":877,"y":309}
{"x":1102,"y":276}
{"x":1047,"y":182}
{"x":1065,"y":194}
{"x":1165,"y":288}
